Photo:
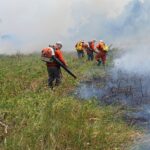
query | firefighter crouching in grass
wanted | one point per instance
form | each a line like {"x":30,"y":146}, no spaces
{"x":102,"y":53}
{"x":53,"y":68}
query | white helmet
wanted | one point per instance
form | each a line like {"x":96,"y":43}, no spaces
{"x":59,"y":43}
{"x":94,"y":40}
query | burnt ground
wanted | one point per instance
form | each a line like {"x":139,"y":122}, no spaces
{"x":119,"y":88}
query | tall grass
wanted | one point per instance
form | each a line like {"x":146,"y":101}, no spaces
{"x":41,"y":119}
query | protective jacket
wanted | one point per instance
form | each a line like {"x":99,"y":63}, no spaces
{"x":79,"y":46}
{"x":49,"y":52}
{"x":102,"y":52}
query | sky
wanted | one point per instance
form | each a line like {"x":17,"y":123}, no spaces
{"x":29,"y":25}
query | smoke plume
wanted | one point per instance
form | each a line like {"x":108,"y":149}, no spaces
{"x":132,"y":35}
{"x":32,"y":25}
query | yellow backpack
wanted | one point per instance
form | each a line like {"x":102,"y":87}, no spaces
{"x":106,"y":48}
{"x":79,"y":46}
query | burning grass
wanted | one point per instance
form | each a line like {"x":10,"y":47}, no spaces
{"x":38,"y":118}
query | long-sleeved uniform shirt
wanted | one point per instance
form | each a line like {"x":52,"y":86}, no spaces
{"x":59,"y":55}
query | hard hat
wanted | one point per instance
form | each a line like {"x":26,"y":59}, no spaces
{"x":82,"y":41}
{"x":86,"y":44}
{"x":59,"y":43}
{"x":102,"y":41}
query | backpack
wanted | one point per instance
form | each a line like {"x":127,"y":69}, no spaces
{"x":79,"y":46}
{"x":106,"y":48}
{"x":47,"y":53}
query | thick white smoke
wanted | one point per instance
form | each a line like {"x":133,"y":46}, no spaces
{"x":135,"y":61}
{"x":135,"y":39}
{"x":32,"y":24}
{"x":28,"y":26}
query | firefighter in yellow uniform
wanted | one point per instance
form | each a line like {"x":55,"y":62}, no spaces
{"x":80,"y":49}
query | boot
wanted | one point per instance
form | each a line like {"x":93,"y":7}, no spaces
{"x":99,"y":63}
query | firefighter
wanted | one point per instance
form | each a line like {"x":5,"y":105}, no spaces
{"x":53,"y":68}
{"x":80,"y":49}
{"x":90,"y":49}
{"x":102,"y":52}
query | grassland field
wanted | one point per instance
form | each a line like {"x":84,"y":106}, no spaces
{"x":41,"y":119}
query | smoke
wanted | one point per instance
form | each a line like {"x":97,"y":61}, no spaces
{"x":95,"y":18}
{"x":127,"y":28}
{"x":36,"y":23}
{"x":135,"y":62}
{"x":32,"y":25}
{"x":134,"y":38}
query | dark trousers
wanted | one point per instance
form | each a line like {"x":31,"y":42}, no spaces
{"x":54,"y":75}
{"x":90,"y":56}
{"x":80,"y":53}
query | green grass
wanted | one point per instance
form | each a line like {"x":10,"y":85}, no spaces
{"x":41,"y":119}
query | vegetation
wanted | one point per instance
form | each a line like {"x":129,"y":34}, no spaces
{"x":41,"y":119}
